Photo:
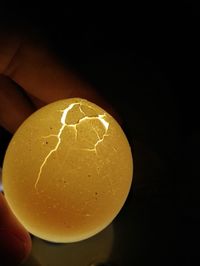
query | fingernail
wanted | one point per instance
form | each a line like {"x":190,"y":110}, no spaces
{"x":12,"y":248}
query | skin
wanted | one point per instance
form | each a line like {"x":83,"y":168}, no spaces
{"x":30,"y":77}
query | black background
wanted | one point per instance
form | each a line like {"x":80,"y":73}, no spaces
{"x":144,"y":59}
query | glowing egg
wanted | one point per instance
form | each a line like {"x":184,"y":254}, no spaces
{"x":67,"y":171}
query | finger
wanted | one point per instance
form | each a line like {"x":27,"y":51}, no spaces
{"x":32,"y":66}
{"x":15,"y":242}
{"x":14,"y":105}
{"x":40,"y":74}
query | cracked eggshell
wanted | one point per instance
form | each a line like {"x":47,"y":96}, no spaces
{"x":67,"y":171}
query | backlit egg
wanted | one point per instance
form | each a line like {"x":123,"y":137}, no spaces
{"x":67,"y":171}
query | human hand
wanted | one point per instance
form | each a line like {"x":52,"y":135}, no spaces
{"x":30,"y":77}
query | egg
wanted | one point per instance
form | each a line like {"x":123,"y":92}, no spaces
{"x":67,"y":171}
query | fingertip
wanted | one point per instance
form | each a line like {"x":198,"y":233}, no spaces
{"x":27,"y":245}
{"x":15,"y":241}
{"x":14,"y":248}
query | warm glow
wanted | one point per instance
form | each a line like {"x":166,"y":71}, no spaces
{"x":67,"y":171}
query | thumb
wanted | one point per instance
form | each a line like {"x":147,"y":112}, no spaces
{"x":15,"y":241}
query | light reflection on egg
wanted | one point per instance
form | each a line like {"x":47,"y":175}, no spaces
{"x":67,"y":171}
